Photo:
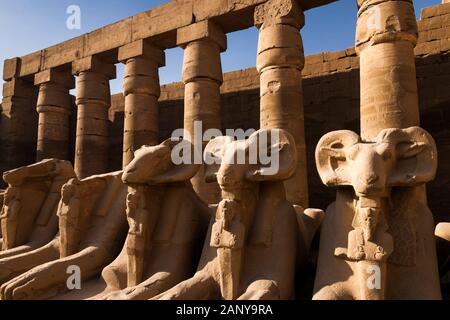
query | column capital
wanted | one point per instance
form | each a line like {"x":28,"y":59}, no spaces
{"x":275,"y":12}
{"x":365,"y":4}
{"x":94,"y":64}
{"x":202,"y":30}
{"x":142,"y":49}
{"x":65,"y":79}
{"x":381,"y":21}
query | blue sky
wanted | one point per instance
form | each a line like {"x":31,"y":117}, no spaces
{"x":30,"y":25}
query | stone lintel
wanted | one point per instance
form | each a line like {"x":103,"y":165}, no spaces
{"x":94,"y":64}
{"x":202,"y":30}
{"x":16,"y":87}
{"x":144,"y":49}
{"x":51,"y":75}
{"x":160,"y":24}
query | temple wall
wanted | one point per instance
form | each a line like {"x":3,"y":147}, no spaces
{"x":331,"y":98}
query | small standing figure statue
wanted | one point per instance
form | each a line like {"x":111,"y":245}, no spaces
{"x":10,"y":217}
{"x":136,"y":215}
{"x":68,"y":213}
{"x":228,"y":236}
{"x":370,"y":245}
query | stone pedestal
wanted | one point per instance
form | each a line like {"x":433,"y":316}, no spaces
{"x":141,"y":90}
{"x":202,"y":76}
{"x":93,"y":100}
{"x":280,"y":62}
{"x":54,"y":108}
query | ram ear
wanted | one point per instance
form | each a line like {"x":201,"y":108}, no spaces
{"x":155,"y":164}
{"x":213,"y":156}
{"x":331,"y":159}
{"x":416,"y":156}
{"x":176,"y":171}
{"x":442,"y":231}
{"x":281,"y":152}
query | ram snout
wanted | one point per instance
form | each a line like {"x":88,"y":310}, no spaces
{"x":370,"y":167}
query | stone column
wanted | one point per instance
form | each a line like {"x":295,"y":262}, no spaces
{"x":385,"y":38}
{"x":279,"y":62}
{"x":53,"y":107}
{"x":141,"y":91}
{"x":18,"y":125}
{"x":202,"y":76}
{"x":93,"y":100}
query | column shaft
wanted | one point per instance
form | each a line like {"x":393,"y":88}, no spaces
{"x":280,"y":62}
{"x":93,"y":100}
{"x":53,"y":107}
{"x":202,"y":76}
{"x":141,"y":91}
{"x":385,"y":39}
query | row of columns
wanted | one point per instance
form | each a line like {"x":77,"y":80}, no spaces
{"x":386,"y":35}
{"x":279,"y":62}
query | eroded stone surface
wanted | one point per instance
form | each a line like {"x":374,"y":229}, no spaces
{"x":249,"y":251}
{"x":385,"y":232}
{"x":258,"y":232}
{"x":279,"y":62}
{"x":141,"y":90}
{"x":29,"y":220}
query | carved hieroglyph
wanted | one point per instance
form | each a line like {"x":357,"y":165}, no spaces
{"x":249,"y":251}
{"x":386,"y":34}
{"x":377,"y":229}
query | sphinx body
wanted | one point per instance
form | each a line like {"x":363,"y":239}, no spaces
{"x":390,"y":255}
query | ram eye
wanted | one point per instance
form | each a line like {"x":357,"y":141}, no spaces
{"x":337,"y":145}
{"x":353,"y":152}
{"x":386,"y":155}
